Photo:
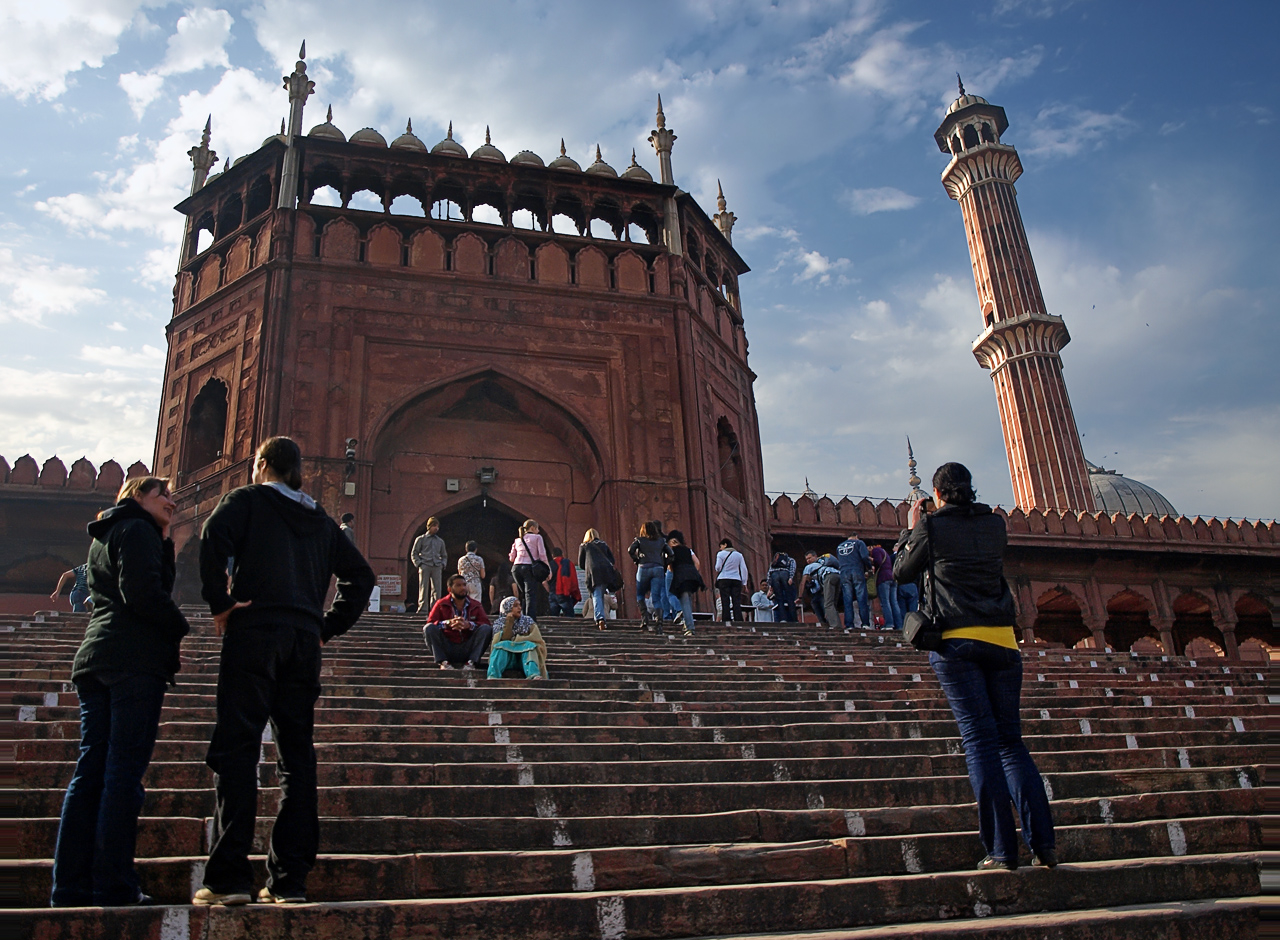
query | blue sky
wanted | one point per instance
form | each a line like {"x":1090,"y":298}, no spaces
{"x":1148,"y":134}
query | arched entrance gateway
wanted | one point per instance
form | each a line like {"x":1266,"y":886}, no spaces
{"x":481,"y":453}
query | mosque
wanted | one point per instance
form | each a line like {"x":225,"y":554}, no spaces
{"x":485,"y":339}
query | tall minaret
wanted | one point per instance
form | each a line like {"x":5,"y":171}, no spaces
{"x":202,"y":158}
{"x":1020,"y":340}
{"x":724,"y":219}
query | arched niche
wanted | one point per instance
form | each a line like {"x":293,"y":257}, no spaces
{"x":490,"y":522}
{"x":206,"y":426}
{"x":729,"y":457}
{"x":1129,"y":620}
{"x":547,"y":463}
{"x":1059,"y":620}
{"x":1192,"y":620}
{"x":1254,"y":621}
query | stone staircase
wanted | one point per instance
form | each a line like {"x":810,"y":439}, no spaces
{"x":775,"y":778}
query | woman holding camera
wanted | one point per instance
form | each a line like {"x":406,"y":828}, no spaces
{"x":978,"y":663}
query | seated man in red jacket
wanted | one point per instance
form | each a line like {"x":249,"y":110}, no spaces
{"x":458,"y":630}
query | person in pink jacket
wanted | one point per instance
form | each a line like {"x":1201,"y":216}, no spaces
{"x":527,"y":552}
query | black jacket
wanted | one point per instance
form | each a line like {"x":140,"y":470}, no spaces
{"x":596,"y":559}
{"x":136,"y":627}
{"x":284,"y":554}
{"x":968,"y":589}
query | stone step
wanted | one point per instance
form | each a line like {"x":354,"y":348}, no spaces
{"x":178,"y":836}
{"x":53,"y":750}
{"x":462,"y":874}
{"x":637,"y":914}
{"x":665,"y":798}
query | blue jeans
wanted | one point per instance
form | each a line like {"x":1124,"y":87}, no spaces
{"x":908,"y":599}
{"x":887,"y":591}
{"x":983,"y":683}
{"x":669,"y":603}
{"x":93,"y":861}
{"x":784,"y":594}
{"x":78,"y":599}
{"x":686,"y":605}
{"x":597,"y":600}
{"x":652,"y":579}
{"x":851,"y":583}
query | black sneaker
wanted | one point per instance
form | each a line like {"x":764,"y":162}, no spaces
{"x":994,"y":864}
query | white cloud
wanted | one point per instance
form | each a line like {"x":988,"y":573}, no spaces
{"x":107,"y":414}
{"x":814,"y":266}
{"x":1063,"y":130}
{"x":878,"y":199}
{"x":148,"y":357}
{"x":140,"y":197}
{"x":117,"y":327}
{"x":32,"y":288}
{"x":42,"y":43}
{"x":199,"y":41}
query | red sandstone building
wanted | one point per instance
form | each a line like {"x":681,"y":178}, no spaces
{"x":453,"y":352}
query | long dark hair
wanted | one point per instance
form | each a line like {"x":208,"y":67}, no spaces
{"x":282,"y":455}
{"x":955,"y":483}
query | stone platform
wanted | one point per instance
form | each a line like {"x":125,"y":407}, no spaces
{"x":760,"y":779}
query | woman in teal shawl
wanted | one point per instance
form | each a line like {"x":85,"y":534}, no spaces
{"x":517,"y":642}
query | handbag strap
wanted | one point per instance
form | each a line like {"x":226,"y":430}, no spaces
{"x":932,"y":576}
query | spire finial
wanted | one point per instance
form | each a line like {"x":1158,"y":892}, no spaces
{"x":302,"y":53}
{"x":721,"y":204}
{"x":633,"y":157}
{"x":724,"y":219}
{"x":662,"y":118}
{"x":913,"y":480}
{"x":960,"y":84}
{"x":408,"y":126}
{"x":282,"y":127}
{"x":599,"y":159}
{"x":562,"y":151}
{"x":449,"y":136}
{"x":328,"y":118}
{"x":486,"y":135}
{"x":226,"y":164}
{"x":202,"y":158}
{"x":208,"y":129}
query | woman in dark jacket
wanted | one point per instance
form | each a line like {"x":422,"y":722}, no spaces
{"x":128,"y":656}
{"x":649,"y":551}
{"x":686,"y":577}
{"x":595,"y":557}
{"x":979,"y":665}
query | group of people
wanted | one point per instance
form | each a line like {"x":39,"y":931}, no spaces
{"x":847,"y":580}
{"x":267,"y":555}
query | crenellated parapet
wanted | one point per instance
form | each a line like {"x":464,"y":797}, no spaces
{"x":52,"y":475}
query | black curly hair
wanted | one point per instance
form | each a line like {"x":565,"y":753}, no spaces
{"x":955,"y":483}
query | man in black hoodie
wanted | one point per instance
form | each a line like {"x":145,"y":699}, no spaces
{"x":285,"y":548}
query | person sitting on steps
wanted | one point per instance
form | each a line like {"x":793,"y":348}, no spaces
{"x":458,"y":630}
{"x":517,"y":642}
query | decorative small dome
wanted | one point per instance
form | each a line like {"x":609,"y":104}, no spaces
{"x":600,"y":168}
{"x":527,"y":158}
{"x":564,"y":161}
{"x":239,"y":160}
{"x":226,"y":165}
{"x":407,"y":140}
{"x":449,"y":147}
{"x":487,"y":151}
{"x":327,"y":130}
{"x":280,"y":137}
{"x":636,"y":171}
{"x":1114,"y":492}
{"x":369,"y":137}
{"x":964,"y":101}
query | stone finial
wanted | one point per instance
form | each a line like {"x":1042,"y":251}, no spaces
{"x":486,"y":136}
{"x":808,"y":490}
{"x":202,"y":158}
{"x":913,"y":480}
{"x":300,"y":88}
{"x":282,"y":127}
{"x":449,"y":135}
{"x":328,"y":117}
{"x":302,"y":50}
{"x":724,"y":219}
{"x":408,"y":126}
{"x":599,"y":158}
{"x":662,"y":139}
{"x":960,"y":84}
{"x":563,"y":152}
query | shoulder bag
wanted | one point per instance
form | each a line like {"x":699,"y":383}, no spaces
{"x":924,"y":631}
{"x":539,"y":568}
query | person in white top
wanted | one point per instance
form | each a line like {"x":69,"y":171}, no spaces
{"x":527,"y":551}
{"x":731,"y":575}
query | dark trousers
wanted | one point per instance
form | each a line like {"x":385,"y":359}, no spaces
{"x":784,"y":595}
{"x":561,"y":605}
{"x":730,"y":599}
{"x":470,"y":650}
{"x":266,"y":674}
{"x":983,"y":683}
{"x":526,"y":589}
{"x":93,"y":860}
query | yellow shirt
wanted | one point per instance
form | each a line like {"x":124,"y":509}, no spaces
{"x":998,"y":636}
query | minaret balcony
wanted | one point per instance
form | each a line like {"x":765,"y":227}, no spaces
{"x":1031,"y":334}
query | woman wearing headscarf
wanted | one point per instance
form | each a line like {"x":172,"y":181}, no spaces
{"x":517,"y":641}
{"x":960,"y":547}
{"x":128,"y":656}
